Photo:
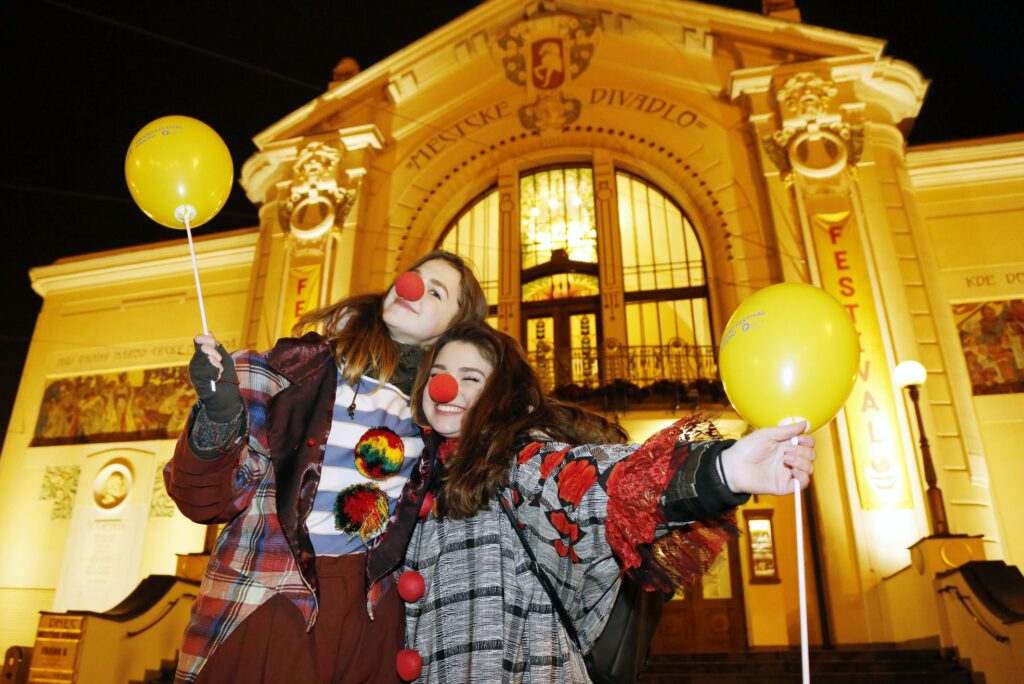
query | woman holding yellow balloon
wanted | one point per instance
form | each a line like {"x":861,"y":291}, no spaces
{"x":307,"y":454}
{"x":310,"y":457}
{"x":588,"y":507}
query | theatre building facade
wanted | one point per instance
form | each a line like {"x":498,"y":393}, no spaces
{"x":622,"y":175}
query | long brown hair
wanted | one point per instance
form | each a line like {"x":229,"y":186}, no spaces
{"x":510,"y":406}
{"x":355,"y":326}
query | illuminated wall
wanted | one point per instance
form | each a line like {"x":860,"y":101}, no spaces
{"x":969,"y":218}
{"x":82,"y":504}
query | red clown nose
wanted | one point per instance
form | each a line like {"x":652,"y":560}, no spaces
{"x":443,"y":388}
{"x":409,"y":664}
{"x":409,"y":286}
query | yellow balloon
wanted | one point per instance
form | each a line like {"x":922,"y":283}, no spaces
{"x":790,"y":350}
{"x":177,"y":165}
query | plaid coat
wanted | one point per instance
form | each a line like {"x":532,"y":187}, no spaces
{"x":588,"y":512}
{"x":262,"y":486}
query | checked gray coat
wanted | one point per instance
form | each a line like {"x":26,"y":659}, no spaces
{"x":486,"y":618}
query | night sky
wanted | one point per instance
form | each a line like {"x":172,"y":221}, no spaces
{"x":80,"y":78}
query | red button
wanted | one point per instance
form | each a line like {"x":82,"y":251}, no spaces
{"x":409,"y":664}
{"x":427,"y":505}
{"x":311,"y":442}
{"x":411,"y":586}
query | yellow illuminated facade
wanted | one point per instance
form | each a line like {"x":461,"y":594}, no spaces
{"x":622,"y":175}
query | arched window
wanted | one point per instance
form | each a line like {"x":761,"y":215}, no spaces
{"x":665,"y":302}
{"x":474,"y":236}
{"x":668,"y":321}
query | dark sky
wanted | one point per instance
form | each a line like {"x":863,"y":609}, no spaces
{"x":80,"y":78}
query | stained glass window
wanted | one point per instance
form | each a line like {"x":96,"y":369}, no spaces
{"x":561,"y":286}
{"x":557,"y":213}
{"x":668,"y":324}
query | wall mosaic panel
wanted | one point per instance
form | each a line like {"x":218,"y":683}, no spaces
{"x":115,"y":407}
{"x":992,"y":340}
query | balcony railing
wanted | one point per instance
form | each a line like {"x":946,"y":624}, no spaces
{"x":581,"y":373}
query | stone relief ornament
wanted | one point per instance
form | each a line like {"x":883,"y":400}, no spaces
{"x":112,"y":485}
{"x":60,"y":484}
{"x":814,"y":140}
{"x":544,"y":52}
{"x":316,"y":201}
{"x":162,"y":506}
{"x":807,"y":95}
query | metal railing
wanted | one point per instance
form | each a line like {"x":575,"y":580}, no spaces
{"x":639,"y":365}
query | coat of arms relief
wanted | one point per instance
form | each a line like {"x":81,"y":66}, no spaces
{"x":544,"y":52}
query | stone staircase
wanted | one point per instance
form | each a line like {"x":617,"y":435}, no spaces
{"x":165,"y":675}
{"x":878,"y":665}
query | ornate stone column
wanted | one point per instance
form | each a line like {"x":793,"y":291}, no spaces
{"x":609,"y":245}
{"x":510,"y":291}
{"x":315,"y":202}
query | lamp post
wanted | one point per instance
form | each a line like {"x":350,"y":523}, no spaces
{"x":911,"y":374}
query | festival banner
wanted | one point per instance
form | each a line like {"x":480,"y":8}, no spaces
{"x":302,"y":295}
{"x":877,"y":448}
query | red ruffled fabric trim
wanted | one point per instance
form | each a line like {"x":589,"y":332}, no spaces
{"x":447,"y":448}
{"x":634,"y":491}
{"x":687,"y":554}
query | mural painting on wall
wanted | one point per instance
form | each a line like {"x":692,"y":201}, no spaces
{"x":992,"y":339}
{"x":114,"y":407}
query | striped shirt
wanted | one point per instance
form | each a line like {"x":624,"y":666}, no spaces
{"x":368,"y":460}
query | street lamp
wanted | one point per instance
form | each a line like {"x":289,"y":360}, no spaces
{"x":911,"y":374}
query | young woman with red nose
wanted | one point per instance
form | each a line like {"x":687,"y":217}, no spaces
{"x":588,"y":513}
{"x":310,"y":457}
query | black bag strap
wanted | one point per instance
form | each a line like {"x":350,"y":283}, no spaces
{"x":545,"y":581}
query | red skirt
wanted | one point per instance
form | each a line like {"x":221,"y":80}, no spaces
{"x":272,"y":646}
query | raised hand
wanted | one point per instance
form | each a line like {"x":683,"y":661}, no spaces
{"x":766,"y":461}
{"x":211,"y":364}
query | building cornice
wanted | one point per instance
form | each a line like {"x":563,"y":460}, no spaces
{"x":471,"y":30}
{"x":893,"y":85}
{"x":966,"y":162}
{"x":134,"y":264}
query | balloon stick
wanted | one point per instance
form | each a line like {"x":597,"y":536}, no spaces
{"x":185,"y":212}
{"x":805,"y":659}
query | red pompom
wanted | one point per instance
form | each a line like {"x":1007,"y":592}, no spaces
{"x":443,"y":388}
{"x":409,"y":664}
{"x":410,"y":586}
{"x":409,"y":286}
{"x":427,"y":505}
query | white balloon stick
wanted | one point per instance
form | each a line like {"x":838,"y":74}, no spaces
{"x":805,"y":659}
{"x":195,"y":272}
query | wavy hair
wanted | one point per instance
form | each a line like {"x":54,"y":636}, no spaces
{"x":356,"y":329}
{"x":510,"y":407}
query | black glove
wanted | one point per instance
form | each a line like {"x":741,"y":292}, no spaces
{"x":226,"y":403}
